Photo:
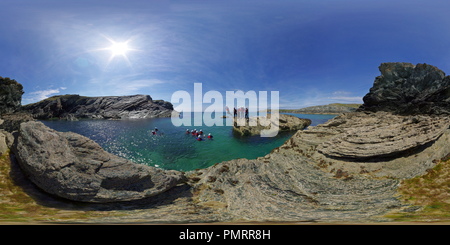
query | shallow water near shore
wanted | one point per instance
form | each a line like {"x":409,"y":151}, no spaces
{"x":172,"y":148}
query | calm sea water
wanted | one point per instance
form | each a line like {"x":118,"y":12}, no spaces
{"x":172,"y":148}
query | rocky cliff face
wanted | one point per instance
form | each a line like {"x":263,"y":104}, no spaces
{"x":404,"y":88}
{"x":71,"y":107}
{"x":10,"y":95}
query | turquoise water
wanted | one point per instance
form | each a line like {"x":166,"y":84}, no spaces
{"x":172,"y":148}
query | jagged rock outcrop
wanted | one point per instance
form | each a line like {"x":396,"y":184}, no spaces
{"x":243,"y":127}
{"x":404,"y":88}
{"x":72,"y":107}
{"x":10,"y":95}
{"x":76,"y":168}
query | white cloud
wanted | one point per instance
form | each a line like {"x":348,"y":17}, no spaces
{"x":341,"y":93}
{"x":120,"y":86}
{"x":36,"y":96}
{"x":346,"y":99}
{"x":135,"y":87}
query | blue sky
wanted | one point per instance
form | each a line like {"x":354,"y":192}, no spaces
{"x":312,"y":52}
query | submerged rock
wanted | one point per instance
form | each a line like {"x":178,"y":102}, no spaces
{"x":76,"y":168}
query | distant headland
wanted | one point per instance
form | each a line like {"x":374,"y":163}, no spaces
{"x":335,"y":108}
{"x":72,"y":107}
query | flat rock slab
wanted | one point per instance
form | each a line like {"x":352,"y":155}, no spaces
{"x":381,"y":134}
{"x":74,"y":167}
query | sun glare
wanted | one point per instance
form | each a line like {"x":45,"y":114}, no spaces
{"x":119,"y":49}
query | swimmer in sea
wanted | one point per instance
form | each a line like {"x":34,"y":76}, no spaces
{"x":199,"y":137}
{"x":210,"y":136}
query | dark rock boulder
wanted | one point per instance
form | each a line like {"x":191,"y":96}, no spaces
{"x":405,"y":88}
{"x":11,"y":121}
{"x":72,"y":107}
{"x":10,"y":95}
{"x":76,"y":168}
{"x":10,"y":105}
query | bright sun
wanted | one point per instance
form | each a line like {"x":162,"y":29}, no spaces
{"x":119,"y":49}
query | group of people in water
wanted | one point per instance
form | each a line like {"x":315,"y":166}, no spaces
{"x":199,"y":135}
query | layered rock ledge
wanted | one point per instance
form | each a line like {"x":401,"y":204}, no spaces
{"x":382,"y":134}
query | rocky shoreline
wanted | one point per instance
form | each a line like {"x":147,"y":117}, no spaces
{"x":346,"y":170}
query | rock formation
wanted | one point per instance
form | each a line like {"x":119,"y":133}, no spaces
{"x":382,"y":134}
{"x":10,"y":95}
{"x":346,"y":170}
{"x":74,"y":167}
{"x":404,"y":88}
{"x":243,"y":127}
{"x":71,"y":107}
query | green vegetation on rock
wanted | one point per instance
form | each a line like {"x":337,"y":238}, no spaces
{"x":429,"y":195}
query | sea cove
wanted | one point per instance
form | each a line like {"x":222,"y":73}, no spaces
{"x":171,"y":148}
{"x":354,"y":164}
